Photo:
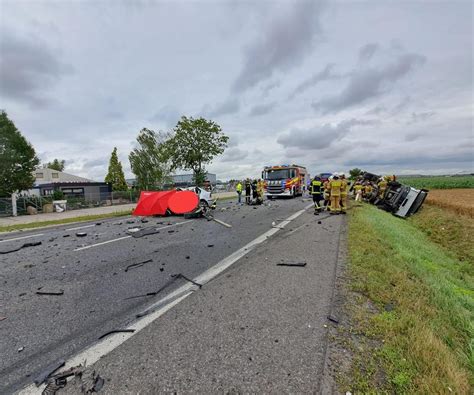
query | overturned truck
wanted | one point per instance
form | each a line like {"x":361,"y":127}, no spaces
{"x":398,"y":199}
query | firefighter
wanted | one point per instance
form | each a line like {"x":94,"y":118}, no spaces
{"x":382,"y":184}
{"x":248,"y":191}
{"x":316,"y":192}
{"x":344,"y":188}
{"x":254,"y":192}
{"x":238,"y":189}
{"x":327,"y":194}
{"x":358,"y":187}
{"x":335,"y":186}
{"x":260,"y":190}
{"x":368,"y":190}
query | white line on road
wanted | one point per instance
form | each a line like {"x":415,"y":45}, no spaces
{"x":20,"y":238}
{"x":80,"y":227}
{"x":102,"y":348}
{"x":125,"y":237}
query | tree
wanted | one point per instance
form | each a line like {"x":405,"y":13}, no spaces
{"x":115,"y":174}
{"x":194,"y":144}
{"x":56,"y":164}
{"x":149,"y":160}
{"x":18,"y":159}
{"x":354,"y":173}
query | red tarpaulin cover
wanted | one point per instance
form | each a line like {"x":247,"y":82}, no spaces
{"x":153,"y":203}
{"x":183,"y":202}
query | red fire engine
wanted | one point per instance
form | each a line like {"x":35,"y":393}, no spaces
{"x":285,"y":180}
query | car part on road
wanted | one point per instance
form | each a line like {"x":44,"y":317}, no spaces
{"x":59,"y":380}
{"x":81,"y":234}
{"x":145,"y":232}
{"x":44,"y":376}
{"x":179,"y":275}
{"x":297,"y":264}
{"x":117,"y":331}
{"x":134,"y":265}
{"x":32,"y":244}
{"x":53,"y":293}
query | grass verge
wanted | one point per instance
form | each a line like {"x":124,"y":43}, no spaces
{"x":423,"y":306}
{"x":42,"y":224}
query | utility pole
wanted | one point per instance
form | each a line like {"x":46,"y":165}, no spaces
{"x":14,"y":211}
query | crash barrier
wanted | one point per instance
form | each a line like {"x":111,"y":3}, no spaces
{"x":398,"y":199}
{"x":44,"y":204}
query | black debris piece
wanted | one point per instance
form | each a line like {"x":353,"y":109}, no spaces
{"x":66,"y":235}
{"x":161,"y":269}
{"x":296,"y":264}
{"x":130,"y":221}
{"x":26,"y":245}
{"x":99,"y":383}
{"x":54,"y":293}
{"x":117,"y":331}
{"x":98,"y":223}
{"x":171,"y":231}
{"x":144,"y":221}
{"x":59,"y":380}
{"x":179,"y":275}
{"x":319,"y":222}
{"x":145,"y":232}
{"x":43,"y":376}
{"x":81,"y":234}
{"x":210,"y":245}
{"x":333,"y":319}
{"x":187,"y":257}
{"x":135,"y":265}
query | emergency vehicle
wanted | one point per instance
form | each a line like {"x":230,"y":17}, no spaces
{"x":285,"y":180}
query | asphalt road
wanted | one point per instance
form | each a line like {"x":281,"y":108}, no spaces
{"x":91,"y":272}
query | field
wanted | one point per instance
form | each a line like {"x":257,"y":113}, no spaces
{"x":412,"y":287}
{"x":438,"y":182}
{"x":459,"y":200}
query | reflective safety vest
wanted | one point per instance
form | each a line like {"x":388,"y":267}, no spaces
{"x":382,"y":185}
{"x":358,"y":187}
{"x":335,"y":186}
{"x":239,"y":187}
{"x":316,"y":187}
{"x":344,"y":187}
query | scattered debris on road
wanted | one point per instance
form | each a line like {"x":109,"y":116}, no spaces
{"x":145,"y":232}
{"x":179,"y":275}
{"x":53,"y":293}
{"x":296,"y":264}
{"x":133,"y":230}
{"x":59,"y":380}
{"x":117,"y":331}
{"x":333,"y":319}
{"x":21,"y":349}
{"x":135,"y":265}
{"x":210,"y":245}
{"x":81,"y":234}
{"x":26,"y":245}
{"x":44,"y":376}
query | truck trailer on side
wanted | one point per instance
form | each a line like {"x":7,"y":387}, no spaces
{"x":285,"y":180}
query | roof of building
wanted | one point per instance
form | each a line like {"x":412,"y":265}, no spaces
{"x":59,"y":177}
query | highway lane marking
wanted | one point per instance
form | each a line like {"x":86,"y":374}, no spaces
{"x":80,"y":227}
{"x":23,"y":237}
{"x":97,"y":351}
{"x":126,"y":237}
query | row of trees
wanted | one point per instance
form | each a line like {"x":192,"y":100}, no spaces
{"x":191,"y":145}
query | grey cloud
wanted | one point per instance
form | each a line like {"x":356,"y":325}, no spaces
{"x":324,"y":75}
{"x":29,"y":68}
{"x":367,"y":51}
{"x":413,"y":136}
{"x":320,"y":137}
{"x":262,"y":109}
{"x":267,"y":88}
{"x":400,"y":159}
{"x":284,"y":44}
{"x":366,"y":83}
{"x":168,"y":115}
{"x":421,"y":116}
{"x":234,"y":154}
{"x":230,"y":106}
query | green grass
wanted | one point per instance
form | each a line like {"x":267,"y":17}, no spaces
{"x":438,"y":182}
{"x":83,"y":218}
{"x":427,"y":340}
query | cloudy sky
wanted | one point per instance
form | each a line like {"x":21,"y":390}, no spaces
{"x":382,"y":85}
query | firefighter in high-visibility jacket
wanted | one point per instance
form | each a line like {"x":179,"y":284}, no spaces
{"x":382,"y":188}
{"x":335,"y":186}
{"x":327,"y":195}
{"x":317,"y":194}
{"x":344,"y":190}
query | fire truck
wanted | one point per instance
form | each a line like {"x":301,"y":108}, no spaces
{"x":285,"y":180}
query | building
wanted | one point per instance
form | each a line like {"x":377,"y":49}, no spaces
{"x":184,"y":180}
{"x":49,"y":180}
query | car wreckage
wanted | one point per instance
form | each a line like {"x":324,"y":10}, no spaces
{"x":400,"y":200}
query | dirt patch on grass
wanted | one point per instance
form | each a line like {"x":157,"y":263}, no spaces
{"x":460,"y":201}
